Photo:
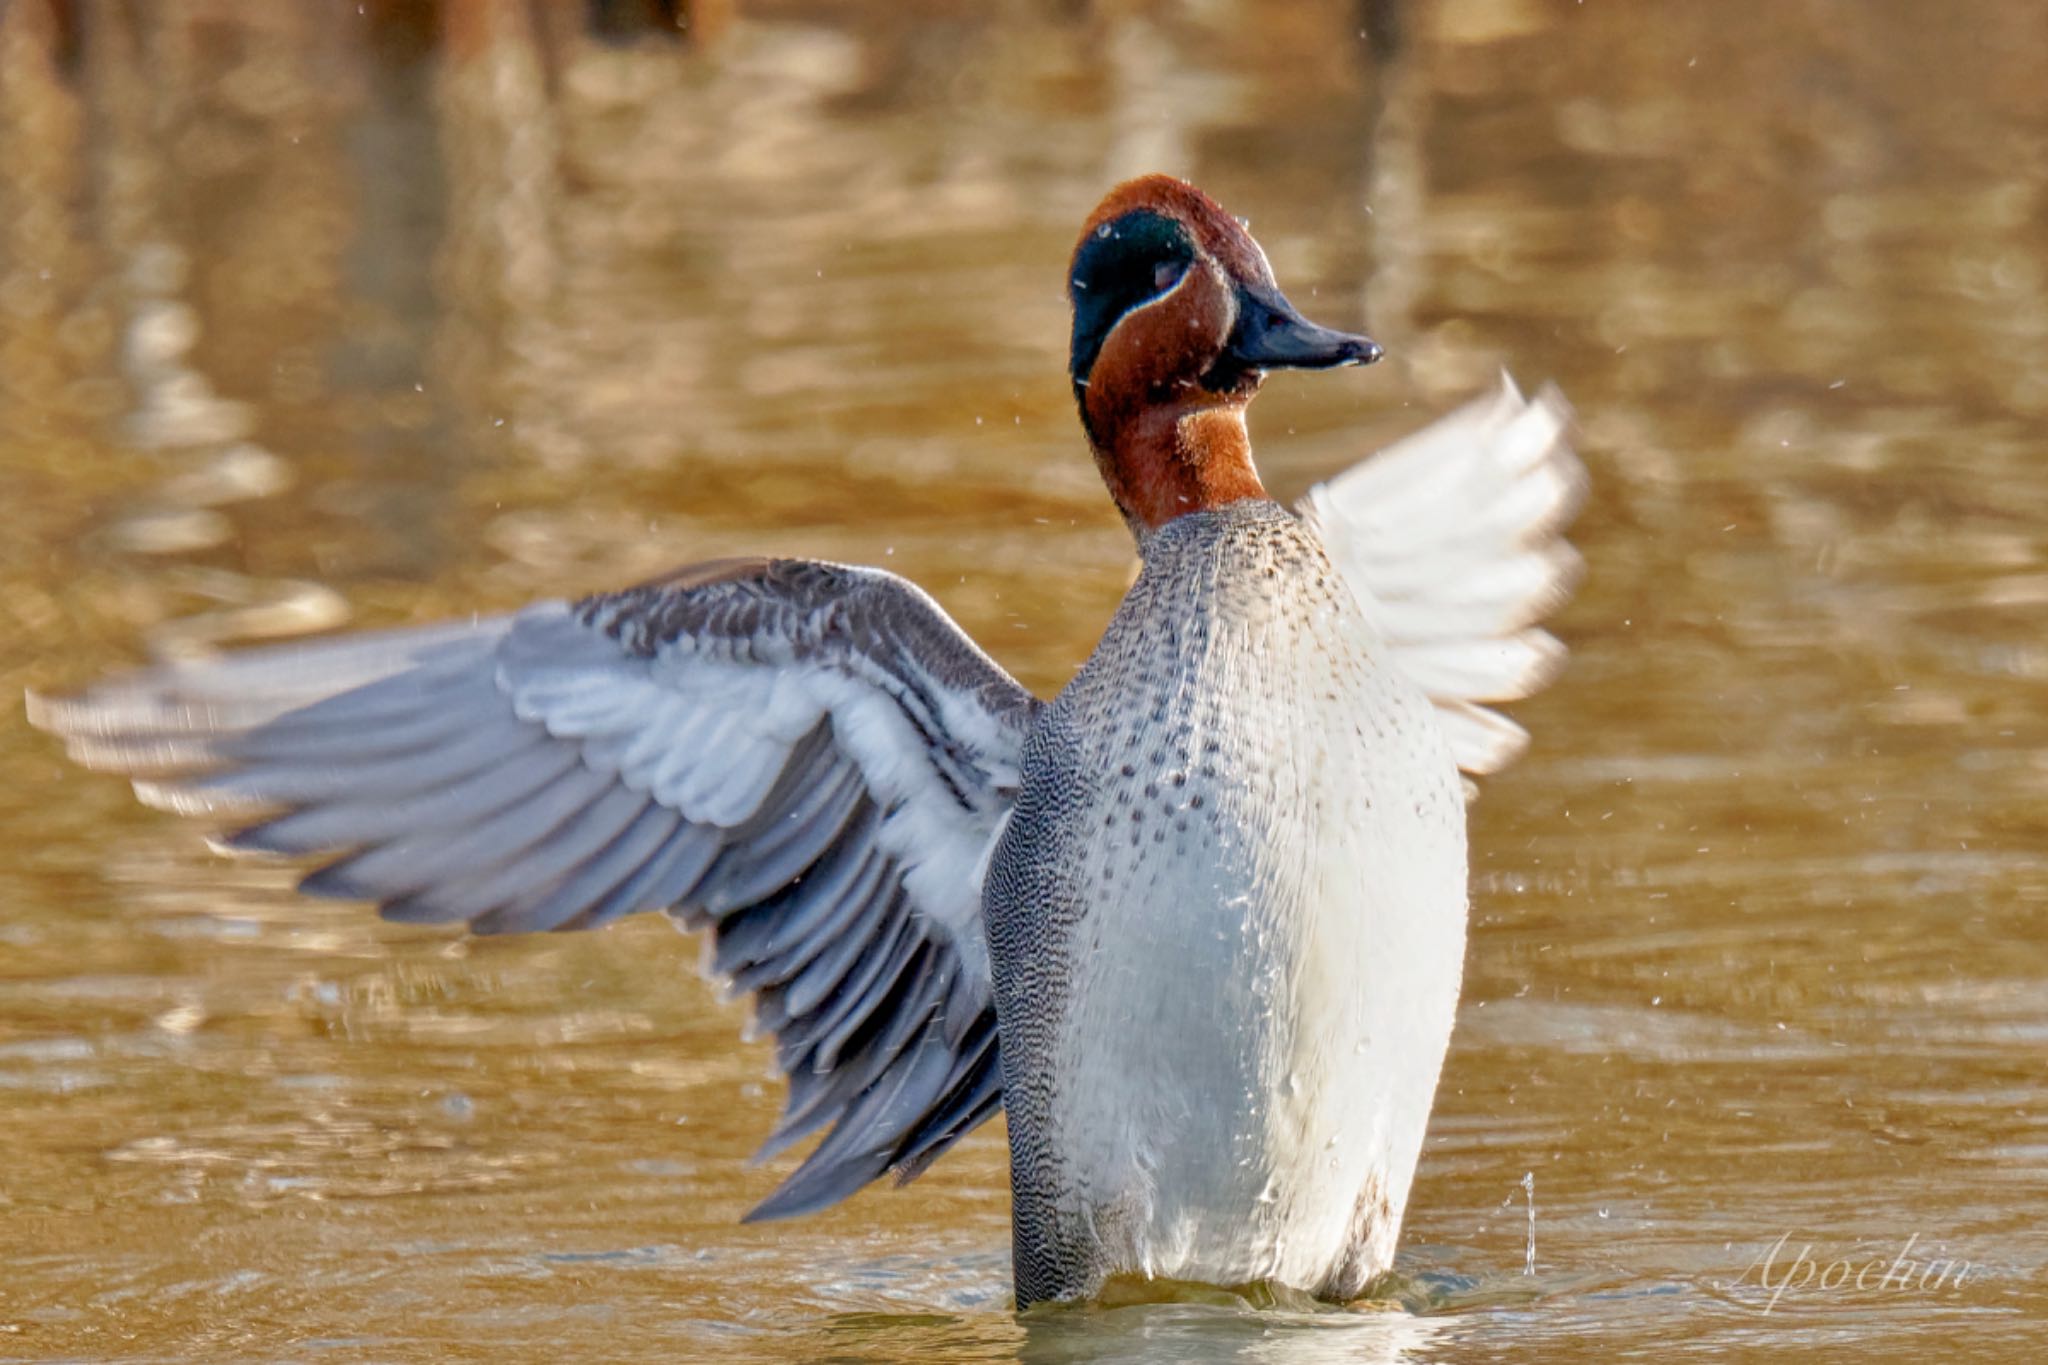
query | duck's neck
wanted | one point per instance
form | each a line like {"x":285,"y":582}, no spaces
{"x":1165,"y":462}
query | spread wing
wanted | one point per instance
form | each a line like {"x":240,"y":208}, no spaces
{"x":807,"y":759}
{"x":1454,"y":540}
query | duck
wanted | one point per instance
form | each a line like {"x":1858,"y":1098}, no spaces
{"x":1196,"y":925}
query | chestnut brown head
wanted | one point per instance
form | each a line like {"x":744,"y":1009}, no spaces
{"x":1177,"y":320}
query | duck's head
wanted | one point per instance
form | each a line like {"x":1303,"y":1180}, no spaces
{"x":1177,"y":319}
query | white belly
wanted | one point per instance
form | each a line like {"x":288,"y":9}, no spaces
{"x":1227,"y":927}
{"x":1262,"y":1003}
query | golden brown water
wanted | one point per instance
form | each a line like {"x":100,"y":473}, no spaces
{"x":308,"y":316}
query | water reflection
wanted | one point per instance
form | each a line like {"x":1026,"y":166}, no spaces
{"x":1194,"y":1333}
{"x":310,"y":313}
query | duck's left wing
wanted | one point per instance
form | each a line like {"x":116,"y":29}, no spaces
{"x":808,"y":759}
{"x":1453,"y":540}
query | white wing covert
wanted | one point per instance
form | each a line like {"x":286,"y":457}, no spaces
{"x":1453,"y":538}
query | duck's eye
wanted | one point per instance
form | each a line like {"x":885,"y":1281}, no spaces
{"x":1124,"y":264}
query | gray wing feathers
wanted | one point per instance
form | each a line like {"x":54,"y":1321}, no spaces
{"x":804,"y":759}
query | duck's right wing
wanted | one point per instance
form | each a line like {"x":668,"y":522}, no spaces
{"x":1453,"y":539}
{"x":807,"y":759}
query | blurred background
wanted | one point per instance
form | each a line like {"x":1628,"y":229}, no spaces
{"x":331,"y":314}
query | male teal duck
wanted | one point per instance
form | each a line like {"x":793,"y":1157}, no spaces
{"x":1198,"y":923}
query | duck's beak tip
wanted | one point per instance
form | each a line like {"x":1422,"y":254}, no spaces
{"x":1271,"y":335}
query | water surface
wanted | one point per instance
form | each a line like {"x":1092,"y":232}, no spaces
{"x":315,"y":316}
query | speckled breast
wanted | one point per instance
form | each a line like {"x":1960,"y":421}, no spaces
{"x":1227,"y":929}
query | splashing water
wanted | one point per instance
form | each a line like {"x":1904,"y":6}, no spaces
{"x":1529,"y":1194}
